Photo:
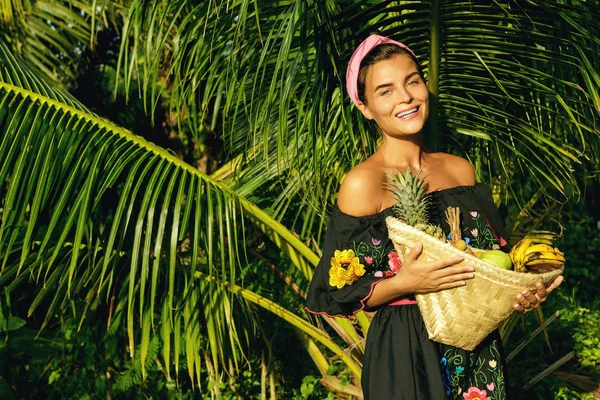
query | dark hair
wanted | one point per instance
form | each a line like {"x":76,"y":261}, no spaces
{"x":380,"y":53}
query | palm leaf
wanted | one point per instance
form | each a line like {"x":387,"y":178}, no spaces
{"x":62,"y":169}
{"x":50,"y":36}
{"x":515,"y":83}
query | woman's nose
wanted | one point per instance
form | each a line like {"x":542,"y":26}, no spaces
{"x":404,"y":96}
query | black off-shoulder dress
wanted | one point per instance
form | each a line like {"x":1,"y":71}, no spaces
{"x":400,"y":361}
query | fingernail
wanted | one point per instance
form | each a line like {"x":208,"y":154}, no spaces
{"x":524,"y":293}
{"x":520,"y":297}
{"x":471,"y":269}
{"x":471,"y":275}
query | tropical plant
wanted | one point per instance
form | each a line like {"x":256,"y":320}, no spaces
{"x":50,"y":35}
{"x":514,"y":88}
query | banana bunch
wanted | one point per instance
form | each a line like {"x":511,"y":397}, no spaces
{"x":527,"y":255}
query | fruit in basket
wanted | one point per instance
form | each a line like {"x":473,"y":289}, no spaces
{"x":461,"y":245}
{"x":527,"y":255}
{"x":412,"y":202}
{"x":497,"y":258}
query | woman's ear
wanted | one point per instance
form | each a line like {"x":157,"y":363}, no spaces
{"x":365,"y":110}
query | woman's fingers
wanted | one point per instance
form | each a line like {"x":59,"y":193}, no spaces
{"x":519,"y":308}
{"x":451,"y":285}
{"x":555,"y":283}
{"x":447,"y":262}
{"x":528,"y":301}
{"x":415,"y":252}
{"x":540,"y":292}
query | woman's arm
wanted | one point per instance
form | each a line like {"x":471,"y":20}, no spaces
{"x":362,"y":194}
{"x":421,"y":277}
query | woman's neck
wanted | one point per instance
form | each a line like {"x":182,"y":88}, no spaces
{"x":400,"y":153}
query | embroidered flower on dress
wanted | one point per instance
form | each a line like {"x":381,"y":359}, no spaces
{"x":492,"y":363}
{"x":394,"y":262}
{"x":473,"y":214}
{"x":446,"y":376}
{"x":490,"y":386}
{"x":459,"y":370}
{"x":495,"y":247}
{"x":369,"y":260}
{"x":502,"y":242}
{"x":345,"y":269}
{"x":378,"y":274}
{"x":475,"y":394}
{"x":375,"y":241}
{"x":475,"y":232}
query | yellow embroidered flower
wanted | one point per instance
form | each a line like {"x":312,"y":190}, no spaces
{"x":345,"y":268}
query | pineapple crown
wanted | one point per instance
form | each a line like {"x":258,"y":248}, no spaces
{"x":411,"y":195}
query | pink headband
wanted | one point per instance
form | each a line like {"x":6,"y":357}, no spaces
{"x":361,"y":51}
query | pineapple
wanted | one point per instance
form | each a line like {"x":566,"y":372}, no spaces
{"x":413,"y":202}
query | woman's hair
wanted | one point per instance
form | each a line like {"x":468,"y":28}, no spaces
{"x":379,"y":53}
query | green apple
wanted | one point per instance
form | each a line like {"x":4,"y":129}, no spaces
{"x":498,"y":258}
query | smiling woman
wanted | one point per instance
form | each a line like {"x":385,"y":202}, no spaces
{"x":360,"y":268}
{"x":398,"y":96}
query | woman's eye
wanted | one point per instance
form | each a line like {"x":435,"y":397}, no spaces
{"x":413,"y":83}
{"x":385,"y":93}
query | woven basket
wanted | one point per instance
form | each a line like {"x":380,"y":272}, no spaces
{"x":464,"y":316}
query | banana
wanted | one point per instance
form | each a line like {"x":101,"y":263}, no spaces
{"x":529,"y":254}
{"x":546,"y":237}
{"x":517,"y":254}
{"x":525,"y":244}
{"x":543,"y":255}
{"x":543,"y":261}
{"x":540,"y":247}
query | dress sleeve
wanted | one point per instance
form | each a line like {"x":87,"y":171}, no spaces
{"x":355,"y":258}
{"x":490,"y":209}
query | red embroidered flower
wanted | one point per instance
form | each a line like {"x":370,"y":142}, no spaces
{"x":394,"y":262}
{"x":502,"y":242}
{"x":369,"y":260}
{"x":475,"y":394}
{"x":375,"y":241}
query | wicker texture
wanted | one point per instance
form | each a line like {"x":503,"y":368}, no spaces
{"x":464,"y":316}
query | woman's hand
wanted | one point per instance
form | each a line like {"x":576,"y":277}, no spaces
{"x":528,"y":301}
{"x":424,"y":277}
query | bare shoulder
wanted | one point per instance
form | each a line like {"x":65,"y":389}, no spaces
{"x":459,"y":169}
{"x":362,"y":191}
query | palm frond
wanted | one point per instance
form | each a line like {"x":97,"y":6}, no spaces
{"x":49,"y":36}
{"x":515,"y":83}
{"x":94,"y":211}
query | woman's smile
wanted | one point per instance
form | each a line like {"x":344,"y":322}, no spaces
{"x":397,"y":97}
{"x":408,"y":114}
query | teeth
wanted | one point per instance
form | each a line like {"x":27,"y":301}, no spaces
{"x":408,"y":112}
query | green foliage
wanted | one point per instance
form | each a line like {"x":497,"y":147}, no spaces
{"x":584,"y":326}
{"x":581,"y":245}
{"x":577,"y":327}
{"x":311,"y":389}
{"x":79,"y":358}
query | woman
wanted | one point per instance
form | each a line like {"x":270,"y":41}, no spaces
{"x":385,"y":81}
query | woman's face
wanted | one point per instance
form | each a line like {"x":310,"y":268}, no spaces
{"x":397,"y":97}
